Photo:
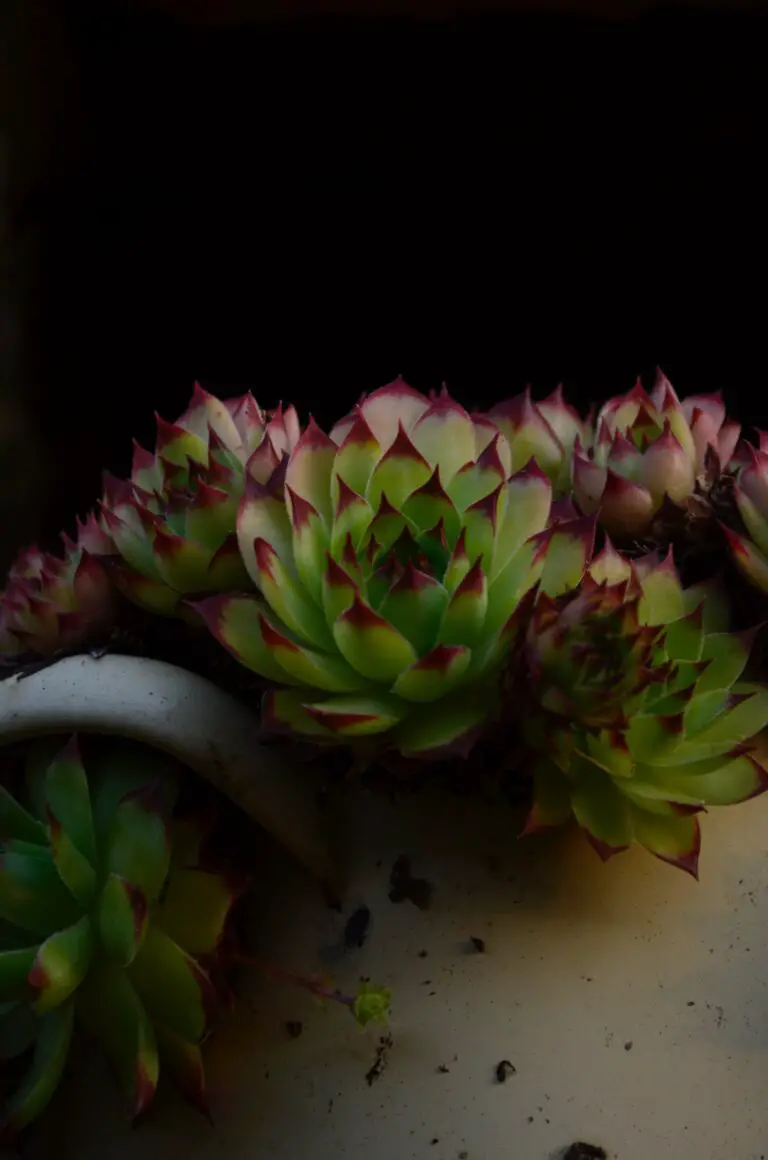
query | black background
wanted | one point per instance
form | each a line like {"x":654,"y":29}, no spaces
{"x":306,"y":209}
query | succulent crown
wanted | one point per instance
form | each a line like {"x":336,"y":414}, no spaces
{"x":389,"y":557}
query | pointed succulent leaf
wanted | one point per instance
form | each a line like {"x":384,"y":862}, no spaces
{"x":138,"y":846}
{"x":195,"y":908}
{"x":173,"y":987}
{"x":433,"y":675}
{"x":446,"y":727}
{"x":122,"y":917}
{"x":355,"y":716}
{"x":750,"y":561}
{"x":600,"y":809}
{"x":15,"y":965}
{"x":551,"y":798}
{"x":287,"y":598}
{"x":370,"y":644}
{"x":15,"y":822}
{"x":75,"y":871}
{"x":113,"y":1014}
{"x":61,"y":965}
{"x":676,"y":839}
{"x":68,"y":799}
{"x":183,"y":1061}
{"x":566,"y":550}
{"x":32,"y":895}
{"x":241,"y":624}
{"x":44,"y":1073}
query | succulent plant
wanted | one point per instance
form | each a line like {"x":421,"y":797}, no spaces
{"x":649,"y":448}
{"x":546,"y":432}
{"x":172,"y":524}
{"x":107,"y":920}
{"x":52,"y":602}
{"x":632,"y":702}
{"x":389,"y":557}
{"x":750,"y":552}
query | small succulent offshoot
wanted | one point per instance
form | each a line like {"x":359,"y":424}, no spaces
{"x":634,"y":707}
{"x":52,"y":602}
{"x":172,"y":524}
{"x":389,"y":557}
{"x":749,"y":546}
{"x":648,"y":448}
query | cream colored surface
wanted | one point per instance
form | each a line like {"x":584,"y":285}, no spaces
{"x":632,"y":1001}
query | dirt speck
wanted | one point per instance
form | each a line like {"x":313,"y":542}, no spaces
{"x":357,"y":927}
{"x":504,"y":1069}
{"x":478,"y":944}
{"x":582,"y":1151}
{"x":381,"y":1059}
{"x":294,"y":1027}
{"x":628,"y":1045}
{"x":443,"y":1069}
{"x":403,"y":886}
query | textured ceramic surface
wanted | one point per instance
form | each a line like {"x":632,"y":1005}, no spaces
{"x":630,"y":1000}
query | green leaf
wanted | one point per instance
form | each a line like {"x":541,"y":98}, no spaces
{"x":112,"y":1012}
{"x":728,"y":654}
{"x":14,"y":968}
{"x":68,"y":799}
{"x":194,"y":909}
{"x":32,"y":895}
{"x":122,"y":918}
{"x":138,"y":846}
{"x":173,"y":987}
{"x":183,"y":1062}
{"x":599,"y":807}
{"x":551,"y":798}
{"x":61,"y":965}
{"x":676,"y":840}
{"x":15,"y":822}
{"x":75,"y":871}
{"x":684,"y":637}
{"x":44,"y":1074}
{"x":118,"y":768}
{"x":740,"y":723}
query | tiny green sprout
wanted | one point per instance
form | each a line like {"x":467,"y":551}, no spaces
{"x":371,"y":1004}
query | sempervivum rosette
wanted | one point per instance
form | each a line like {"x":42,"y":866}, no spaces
{"x":110,"y":920}
{"x":389,"y":557}
{"x":56,"y":602}
{"x":749,"y":545}
{"x":649,"y":448}
{"x":172,"y":524}
{"x":636,"y":710}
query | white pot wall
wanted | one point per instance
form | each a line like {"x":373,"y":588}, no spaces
{"x":582,"y":959}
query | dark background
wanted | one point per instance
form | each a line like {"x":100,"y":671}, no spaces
{"x":308,"y":207}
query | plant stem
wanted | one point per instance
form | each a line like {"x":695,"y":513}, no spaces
{"x":313,"y":985}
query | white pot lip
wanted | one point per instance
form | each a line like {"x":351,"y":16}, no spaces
{"x":186,"y":716}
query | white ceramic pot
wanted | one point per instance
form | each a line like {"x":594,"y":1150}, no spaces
{"x":631,"y":1001}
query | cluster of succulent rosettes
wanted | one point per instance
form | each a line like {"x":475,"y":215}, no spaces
{"x":56,"y":602}
{"x":172,"y":524}
{"x":110,"y":919}
{"x":632,"y":704}
{"x":388,"y":568}
{"x":647,"y":449}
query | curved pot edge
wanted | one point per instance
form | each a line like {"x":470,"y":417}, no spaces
{"x":189,"y":718}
